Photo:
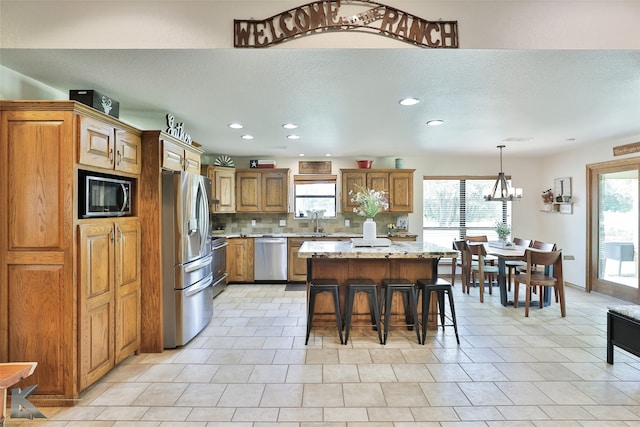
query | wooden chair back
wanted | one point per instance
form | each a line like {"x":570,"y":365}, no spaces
{"x":536,"y":258}
{"x":478,"y":249}
{"x":522,"y":242}
{"x":476,"y":238}
{"x":543,"y":246}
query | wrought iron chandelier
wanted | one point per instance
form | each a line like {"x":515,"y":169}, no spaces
{"x":501,"y":191}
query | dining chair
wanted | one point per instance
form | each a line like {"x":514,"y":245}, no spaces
{"x":483,"y":271}
{"x":489,"y":259}
{"x":464,"y":262}
{"x":512,"y":265}
{"x":537,"y":258}
{"x":543,"y":246}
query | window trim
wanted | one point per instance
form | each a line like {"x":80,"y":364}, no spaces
{"x":315,"y":179}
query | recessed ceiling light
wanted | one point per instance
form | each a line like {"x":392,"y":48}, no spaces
{"x":328,"y":155}
{"x":289,"y":126}
{"x":293,"y":136}
{"x":247,"y":137}
{"x":409,"y":101}
{"x":435,"y":122}
{"x":301,"y":154}
{"x":235,"y":125}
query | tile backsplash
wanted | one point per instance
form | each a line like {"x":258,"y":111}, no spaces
{"x":270,"y":223}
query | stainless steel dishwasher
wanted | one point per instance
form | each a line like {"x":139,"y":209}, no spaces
{"x":270,"y":262}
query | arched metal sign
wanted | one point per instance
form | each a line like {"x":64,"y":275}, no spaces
{"x":352,"y":15}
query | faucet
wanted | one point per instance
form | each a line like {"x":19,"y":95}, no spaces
{"x":317,"y":228}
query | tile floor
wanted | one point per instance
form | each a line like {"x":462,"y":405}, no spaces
{"x":250,"y":368}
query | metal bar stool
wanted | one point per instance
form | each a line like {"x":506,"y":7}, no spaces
{"x":440,"y":287}
{"x":408,"y":291}
{"x":317,"y":286}
{"x":371,"y":289}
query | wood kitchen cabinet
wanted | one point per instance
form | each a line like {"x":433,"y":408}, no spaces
{"x":223,"y":188}
{"x":109,"y":300}
{"x":240,"y":259}
{"x":106,"y":146}
{"x":41,"y":261}
{"x":262,"y":190}
{"x":398,"y":183}
{"x":297,"y":267}
{"x":179,"y":156}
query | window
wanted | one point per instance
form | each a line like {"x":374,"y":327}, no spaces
{"x":454,"y":207}
{"x":314,"y":193}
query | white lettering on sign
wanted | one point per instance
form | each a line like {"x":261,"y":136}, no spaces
{"x":177,"y":129}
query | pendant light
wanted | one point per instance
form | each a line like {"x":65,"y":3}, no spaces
{"x":501,"y":191}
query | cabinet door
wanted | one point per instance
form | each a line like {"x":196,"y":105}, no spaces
{"x":275,"y":191}
{"x":297,"y":266}
{"x":191,"y":161}
{"x":127,"y":287}
{"x":378,"y":181}
{"x":96,"y":301}
{"x":128,"y":152}
{"x":401,"y":192}
{"x":225,"y":190}
{"x":96,"y":143}
{"x":248,"y":191}
{"x":173,"y":156}
{"x":351,"y":181}
{"x":240,"y":260}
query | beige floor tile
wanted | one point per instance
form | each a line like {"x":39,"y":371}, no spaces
{"x":403,"y":395}
{"x":390,"y":414}
{"x":282,"y":396}
{"x":323,"y":395}
{"x":363,"y":395}
{"x":242,"y":395}
{"x":378,"y":373}
{"x":345,"y":414}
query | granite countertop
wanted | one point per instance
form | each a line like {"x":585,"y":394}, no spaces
{"x":345,"y":249}
{"x":322,"y":235}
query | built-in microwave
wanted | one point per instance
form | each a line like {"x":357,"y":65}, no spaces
{"x":102,"y":195}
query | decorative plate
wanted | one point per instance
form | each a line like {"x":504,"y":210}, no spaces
{"x":224,"y":161}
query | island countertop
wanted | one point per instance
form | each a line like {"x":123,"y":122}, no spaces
{"x":399,"y":249}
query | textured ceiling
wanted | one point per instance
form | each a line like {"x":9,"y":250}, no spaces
{"x":345,"y":101}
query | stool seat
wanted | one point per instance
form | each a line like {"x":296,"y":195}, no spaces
{"x":370,"y":287}
{"x":408,"y":291}
{"x":317,"y":286}
{"x":441,"y":287}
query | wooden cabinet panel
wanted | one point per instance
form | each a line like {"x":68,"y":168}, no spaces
{"x":248,"y":191}
{"x":96,"y":305}
{"x":262,"y":190}
{"x":191,"y":161}
{"x":275,"y":186}
{"x":223,"y":188}
{"x":297,"y":266}
{"x":398,"y":183}
{"x":401,"y":191}
{"x":96,"y":143}
{"x":172,"y":156}
{"x":127,"y":288}
{"x":128,"y":152}
{"x":240,"y":260}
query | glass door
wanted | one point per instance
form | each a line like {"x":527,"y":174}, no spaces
{"x":614,"y":231}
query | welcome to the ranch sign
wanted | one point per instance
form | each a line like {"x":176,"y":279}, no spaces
{"x":323,"y":16}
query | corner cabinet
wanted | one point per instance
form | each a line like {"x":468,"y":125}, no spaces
{"x":44,"y":300}
{"x":262,"y":190}
{"x":223,"y":188}
{"x":109,"y":304}
{"x":398,"y":183}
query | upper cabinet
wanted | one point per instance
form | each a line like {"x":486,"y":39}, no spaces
{"x":108,"y":146}
{"x":223,"y":188}
{"x":178,"y":156}
{"x":262,"y":190}
{"x":398,"y":183}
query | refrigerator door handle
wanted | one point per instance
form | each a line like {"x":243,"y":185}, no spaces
{"x":203,"y":284}
{"x":223,"y":277}
{"x":197,"y":265}
{"x":204,"y":207}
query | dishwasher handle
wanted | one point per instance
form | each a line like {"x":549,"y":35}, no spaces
{"x":274,"y":241}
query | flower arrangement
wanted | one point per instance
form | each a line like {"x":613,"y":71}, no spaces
{"x":503,"y":230}
{"x":370,"y":202}
{"x":547,"y":196}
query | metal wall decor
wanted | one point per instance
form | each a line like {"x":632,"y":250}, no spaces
{"x":177,"y":129}
{"x":351,"y":15}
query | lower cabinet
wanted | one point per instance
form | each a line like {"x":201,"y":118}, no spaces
{"x":240,"y":259}
{"x":297,"y":267}
{"x":109,"y":298}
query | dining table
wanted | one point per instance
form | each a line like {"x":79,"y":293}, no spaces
{"x":504,"y":254}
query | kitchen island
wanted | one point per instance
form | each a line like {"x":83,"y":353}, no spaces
{"x":341,"y":260}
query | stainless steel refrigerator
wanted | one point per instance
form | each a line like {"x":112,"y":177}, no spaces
{"x":186,"y":256}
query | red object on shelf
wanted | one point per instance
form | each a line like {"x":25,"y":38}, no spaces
{"x":266,"y":166}
{"x":364,"y":164}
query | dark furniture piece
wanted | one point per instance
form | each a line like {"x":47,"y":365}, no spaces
{"x":440,"y":287}
{"x":317,"y":286}
{"x":623,"y":330}
{"x":369,"y":287}
{"x":408,"y":291}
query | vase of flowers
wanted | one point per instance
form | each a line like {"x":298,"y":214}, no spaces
{"x":391,"y":228}
{"x":370,"y":203}
{"x":503,"y":230}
